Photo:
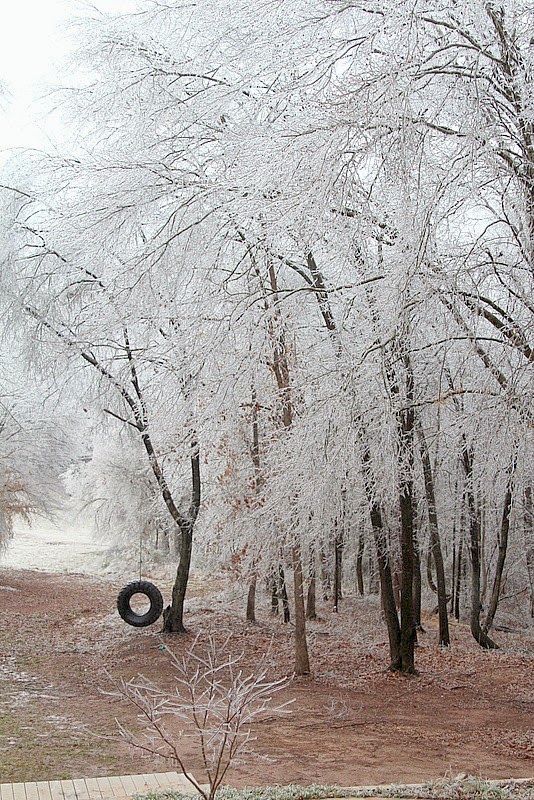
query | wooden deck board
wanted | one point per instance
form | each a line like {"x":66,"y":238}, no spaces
{"x":32,"y":793}
{"x":106,"y":790}
{"x":81,"y":789}
{"x":93,"y":789}
{"x":141,"y":786}
{"x":164,"y":779}
{"x":19,"y":791}
{"x":43,"y":788}
{"x":177,"y":781}
{"x":115,"y":787}
{"x":56,"y":790}
{"x":151,"y":781}
{"x":127,"y":785}
{"x":69,"y":792}
{"x":6,"y":791}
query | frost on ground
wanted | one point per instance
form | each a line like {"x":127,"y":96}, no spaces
{"x":54,"y":548}
{"x":352,"y":723}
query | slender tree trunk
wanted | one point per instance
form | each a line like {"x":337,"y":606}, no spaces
{"x":274,"y":596}
{"x":251,"y":600}
{"x":406,"y":431}
{"x":454,"y":553}
{"x":359,"y":562}
{"x":282,"y":593}
{"x":417,"y":585}
{"x":280,"y":367}
{"x":395,"y":576}
{"x":338,"y":565}
{"x":325,"y":577}
{"x":374,"y":578}
{"x":483,"y":566}
{"x":302,"y":662}
{"x":453,"y":580}
{"x":444,"y":636}
{"x":503,"y":546}
{"x":384,"y":569}
{"x":528,"y":531}
{"x":459,"y":566}
{"x":429,"y":576}
{"x":474,"y":540}
{"x":173,"y":620}
{"x":258,"y":482}
{"x":311,"y":612}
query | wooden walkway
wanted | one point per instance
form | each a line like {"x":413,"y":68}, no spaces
{"x":116,"y":787}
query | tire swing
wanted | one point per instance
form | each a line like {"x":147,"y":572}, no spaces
{"x":129,"y":615}
{"x":140,"y":587}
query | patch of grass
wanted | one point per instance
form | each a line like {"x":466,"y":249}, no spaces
{"x":466,"y":788}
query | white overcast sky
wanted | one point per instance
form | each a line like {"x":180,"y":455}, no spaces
{"x":32,"y":40}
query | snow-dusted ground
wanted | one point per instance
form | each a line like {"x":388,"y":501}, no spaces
{"x":68,"y":547}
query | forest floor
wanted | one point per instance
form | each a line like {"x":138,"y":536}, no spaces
{"x":353,"y":722}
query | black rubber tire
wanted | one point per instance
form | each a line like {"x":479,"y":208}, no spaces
{"x":125,"y":610}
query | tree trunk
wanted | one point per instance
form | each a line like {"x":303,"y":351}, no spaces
{"x":338,"y":565}
{"x":258,"y":483}
{"x":528,"y":530}
{"x":282,"y":593}
{"x":384,"y":569}
{"x":359,"y":563}
{"x":173,"y":618}
{"x":311,"y":612}
{"x":251,"y":600}
{"x":374,"y":577}
{"x":474,"y":543}
{"x":408,"y":632}
{"x":417,"y":585}
{"x":429,"y":576}
{"x":395,"y":577}
{"x":406,"y":431}
{"x":444,"y":636}
{"x":325,"y":577}
{"x":302,"y":661}
{"x":459,"y":566}
{"x":503,"y":546}
{"x":453,"y":579}
{"x":274,"y":596}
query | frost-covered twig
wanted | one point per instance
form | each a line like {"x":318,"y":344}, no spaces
{"x":215,"y":702}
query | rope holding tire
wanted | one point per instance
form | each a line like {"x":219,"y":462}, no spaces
{"x":125,"y":610}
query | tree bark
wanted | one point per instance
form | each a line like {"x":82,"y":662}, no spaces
{"x":338,"y":565}
{"x":282,"y":593}
{"x":274,"y":596}
{"x":258,"y":482}
{"x":359,"y":563}
{"x":280,"y":367}
{"x":444,"y":636}
{"x":325,"y":577}
{"x":459,"y":566}
{"x":311,"y":612}
{"x":384,"y":569}
{"x":406,"y":431}
{"x":302,"y":662}
{"x":528,"y":530}
{"x":474,"y":543}
{"x":503,"y":546}
{"x":251,"y":600}
{"x":173,"y":619}
{"x":417,"y":585}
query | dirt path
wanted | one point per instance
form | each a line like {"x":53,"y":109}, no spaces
{"x":352,"y":723}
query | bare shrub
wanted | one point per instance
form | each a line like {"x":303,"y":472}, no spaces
{"x":215,"y":704}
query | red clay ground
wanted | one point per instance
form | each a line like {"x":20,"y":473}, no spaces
{"x":352,"y":722}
